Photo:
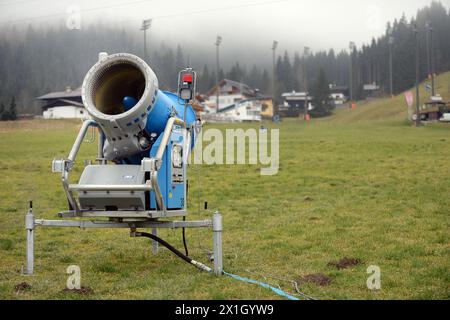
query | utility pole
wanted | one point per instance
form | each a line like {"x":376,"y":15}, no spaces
{"x":274,"y":48}
{"x":217,"y":44}
{"x":146,"y":24}
{"x":416,"y":35}
{"x":352,"y":48}
{"x":391,"y":81}
{"x":306,"y":51}
{"x":430,"y":59}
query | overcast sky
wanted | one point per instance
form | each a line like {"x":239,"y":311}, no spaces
{"x":320,"y":24}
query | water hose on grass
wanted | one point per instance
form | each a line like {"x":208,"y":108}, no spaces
{"x":197,"y":264}
{"x":203,"y":267}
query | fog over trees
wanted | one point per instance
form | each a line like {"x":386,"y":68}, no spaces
{"x":38,"y":61}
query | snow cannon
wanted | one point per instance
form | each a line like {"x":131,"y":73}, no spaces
{"x":139,"y":177}
{"x":146,"y":136}
{"x":121,"y":94}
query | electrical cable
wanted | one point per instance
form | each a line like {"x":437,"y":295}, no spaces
{"x":57,"y":15}
{"x":197,"y":264}
{"x":204,"y":267}
{"x":239,"y":6}
{"x":14,"y":3}
{"x":181,"y":14}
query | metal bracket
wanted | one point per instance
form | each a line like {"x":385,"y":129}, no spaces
{"x":62,"y":165}
{"x":29,"y":227}
{"x":217,"y":243}
{"x":215,"y":223}
{"x":150,"y":164}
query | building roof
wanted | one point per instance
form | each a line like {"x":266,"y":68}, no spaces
{"x":227,"y":108}
{"x":295,"y":96}
{"x":61,"y":94}
{"x":371,"y":87}
{"x":62,"y":103}
{"x":68,"y":97}
{"x":241,"y":87}
{"x":338,"y":89}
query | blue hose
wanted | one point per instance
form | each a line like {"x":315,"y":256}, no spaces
{"x":264,"y":285}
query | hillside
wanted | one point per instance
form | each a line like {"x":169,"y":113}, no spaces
{"x":390,"y":108}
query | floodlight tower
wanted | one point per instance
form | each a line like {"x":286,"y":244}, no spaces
{"x":306,"y":52}
{"x":274,"y":48}
{"x":416,"y":35}
{"x":391,"y":44}
{"x":146,"y":24}
{"x":352,"y":47}
{"x":217,"y":44}
{"x":430,"y":61}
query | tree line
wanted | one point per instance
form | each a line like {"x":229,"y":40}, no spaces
{"x":8,"y":113}
{"x":370,"y":63}
{"x":39,"y":61}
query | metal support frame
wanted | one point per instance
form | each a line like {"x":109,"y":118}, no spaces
{"x":29,"y":227}
{"x":217,"y":243}
{"x":216,"y":224}
{"x":121,"y":214}
{"x":99,"y":224}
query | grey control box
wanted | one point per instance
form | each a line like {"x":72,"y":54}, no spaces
{"x":112,"y":200}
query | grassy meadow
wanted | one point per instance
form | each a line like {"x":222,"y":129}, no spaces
{"x":362,"y":184}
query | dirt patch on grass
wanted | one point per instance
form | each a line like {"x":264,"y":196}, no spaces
{"x":317,"y":278}
{"x":345,"y":263}
{"x":23,"y":286}
{"x":81,"y":291}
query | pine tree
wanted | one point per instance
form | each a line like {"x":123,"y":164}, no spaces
{"x":12,"y":114}
{"x":2,"y":111}
{"x":298,"y":72}
{"x":179,"y":60}
{"x":265,"y":82}
{"x":5,"y":114}
{"x":236,"y":73}
{"x":204,"y":80}
{"x":321,"y":95}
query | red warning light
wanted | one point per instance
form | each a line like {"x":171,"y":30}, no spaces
{"x":187,"y":78}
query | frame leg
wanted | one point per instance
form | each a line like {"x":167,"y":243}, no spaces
{"x":155,"y":244}
{"x":29,"y":227}
{"x":217,"y":242}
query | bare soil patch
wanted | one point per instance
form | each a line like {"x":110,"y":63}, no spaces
{"x":345,"y":263}
{"x":23,"y":286}
{"x":81,"y":291}
{"x":317,"y":278}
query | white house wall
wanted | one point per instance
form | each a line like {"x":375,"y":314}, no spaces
{"x":65,"y":112}
{"x":225,"y":100}
{"x":241,"y":113}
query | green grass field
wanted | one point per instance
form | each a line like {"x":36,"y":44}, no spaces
{"x":361,"y":184}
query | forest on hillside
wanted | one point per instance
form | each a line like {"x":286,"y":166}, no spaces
{"x":38,"y":61}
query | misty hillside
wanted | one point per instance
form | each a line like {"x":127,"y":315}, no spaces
{"x":38,"y":61}
{"x":390,"y":108}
